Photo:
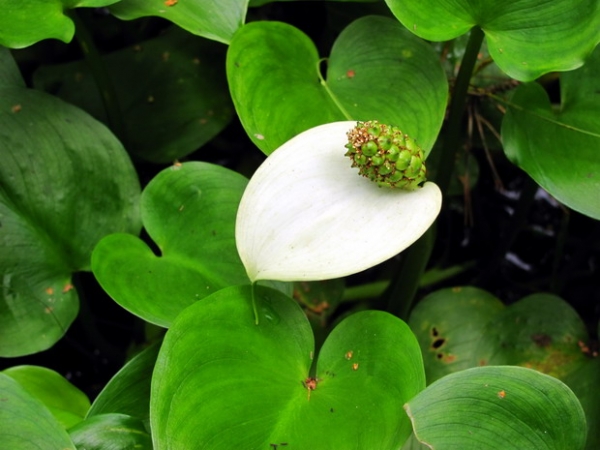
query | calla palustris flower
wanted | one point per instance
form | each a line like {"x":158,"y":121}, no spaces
{"x":307,"y":215}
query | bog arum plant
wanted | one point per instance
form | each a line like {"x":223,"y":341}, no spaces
{"x":306,"y":214}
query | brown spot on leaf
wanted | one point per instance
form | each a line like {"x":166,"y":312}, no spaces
{"x":67,"y":288}
{"x":348,"y":355}
{"x":501,"y":394}
{"x":434,"y":332}
{"x":450,"y":359}
{"x":16,"y":108}
{"x":482,"y":362}
{"x":541,"y":339}
{"x":350,"y":73}
{"x":49,"y":291}
{"x":355,"y":366}
{"x":171,"y":2}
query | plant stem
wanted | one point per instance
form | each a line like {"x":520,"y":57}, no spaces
{"x":101,"y":76}
{"x":402,"y":289}
{"x":457,"y":109}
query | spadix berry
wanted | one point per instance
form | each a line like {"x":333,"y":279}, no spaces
{"x":385,"y":155}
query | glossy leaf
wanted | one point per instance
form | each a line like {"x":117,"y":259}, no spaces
{"x":213,"y":19}
{"x":58,"y":199}
{"x":449,"y":325}
{"x":111,"y":432}
{"x":25,"y":22}
{"x":222,"y":382}
{"x":502,"y":408}
{"x":526,"y":38}
{"x":558,"y":147}
{"x":189,"y":212}
{"x":182,"y":103}
{"x":25,"y":423}
{"x":308,"y":215}
{"x":67,"y":404}
{"x":128,"y":392}
{"x":376,"y":70}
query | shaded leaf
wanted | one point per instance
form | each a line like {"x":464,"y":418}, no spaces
{"x":58,"y":198}
{"x":558,"y":147}
{"x":449,"y":324}
{"x":182,"y":103}
{"x":128,"y":392}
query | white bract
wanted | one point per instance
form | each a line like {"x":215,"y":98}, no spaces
{"x":307,"y":214}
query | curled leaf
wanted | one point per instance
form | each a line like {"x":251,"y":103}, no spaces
{"x":307,"y":214}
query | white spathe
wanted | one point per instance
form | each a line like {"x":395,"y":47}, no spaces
{"x":308,"y":215}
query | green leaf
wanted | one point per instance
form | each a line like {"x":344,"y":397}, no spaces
{"x":58,"y":198}
{"x":377,"y":70}
{"x":500,"y":408}
{"x":25,"y":423}
{"x":189,"y":211}
{"x":558,"y":147}
{"x":540,"y":331}
{"x":584,"y":382}
{"x":449,"y":324}
{"x":25,"y":22}
{"x":66,"y":403}
{"x":182,"y":103}
{"x":111,"y":432}
{"x":128,"y":392}
{"x":213,"y":19}
{"x":9,"y":72}
{"x":222,"y":382}
{"x":526,"y":38}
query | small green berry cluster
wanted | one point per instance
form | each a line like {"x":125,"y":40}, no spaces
{"x":386,"y":156}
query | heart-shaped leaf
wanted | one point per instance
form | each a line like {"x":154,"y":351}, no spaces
{"x":222,"y":382}
{"x":213,"y":19}
{"x":182,"y":103}
{"x":526,"y":38}
{"x":66,"y":403}
{"x":376,"y":71}
{"x":25,"y":422}
{"x":26,"y":22}
{"x":111,"y":431}
{"x":189,"y":211}
{"x":59,"y":197}
{"x":558,"y":147}
{"x":503,"y":408}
